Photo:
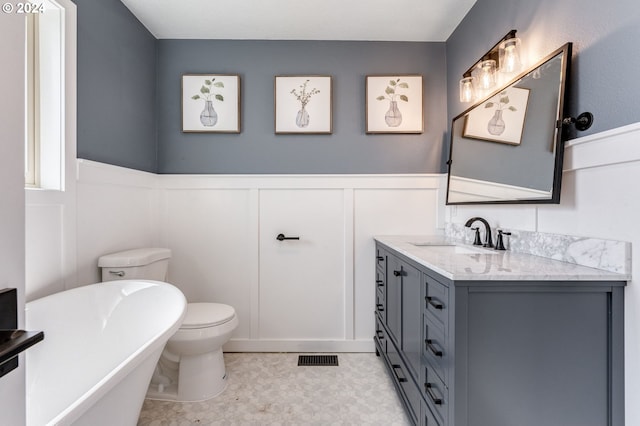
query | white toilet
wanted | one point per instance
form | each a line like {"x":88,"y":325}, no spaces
{"x":191,"y":367}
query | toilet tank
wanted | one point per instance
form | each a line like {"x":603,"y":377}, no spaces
{"x":143,"y":263}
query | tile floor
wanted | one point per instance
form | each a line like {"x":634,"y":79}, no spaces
{"x":270,"y":389}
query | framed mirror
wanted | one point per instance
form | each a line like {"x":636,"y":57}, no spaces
{"x":508,"y":148}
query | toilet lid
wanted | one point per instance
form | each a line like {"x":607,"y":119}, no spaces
{"x":201,"y":315}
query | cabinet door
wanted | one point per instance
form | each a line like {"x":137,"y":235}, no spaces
{"x":545,"y":355}
{"x":394,"y":298}
{"x":411,"y":317}
{"x":404,"y":309}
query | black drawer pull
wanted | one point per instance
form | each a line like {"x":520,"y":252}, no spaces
{"x":432,"y":348}
{"x":397,"y":273}
{"x":434,"y":303}
{"x":400,"y":379}
{"x":380,"y":307}
{"x":380,"y":283}
{"x":432,"y":396}
{"x":379,"y":258}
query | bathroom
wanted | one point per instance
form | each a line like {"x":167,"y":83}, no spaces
{"x":218,"y":200}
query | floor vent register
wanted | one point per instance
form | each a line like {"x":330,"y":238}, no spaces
{"x":317,"y":360}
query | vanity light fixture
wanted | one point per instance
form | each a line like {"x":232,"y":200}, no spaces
{"x":503,"y":58}
{"x":467,"y":91}
{"x":509,"y":55}
{"x":485,"y":74}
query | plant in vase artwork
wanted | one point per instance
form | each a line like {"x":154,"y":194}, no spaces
{"x":496,"y":125}
{"x":393,"y":116}
{"x":303,"y":96}
{"x":209,"y":116}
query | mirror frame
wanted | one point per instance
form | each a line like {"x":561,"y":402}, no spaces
{"x":559,"y":138}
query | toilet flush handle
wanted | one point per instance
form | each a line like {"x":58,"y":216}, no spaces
{"x":117,"y":273}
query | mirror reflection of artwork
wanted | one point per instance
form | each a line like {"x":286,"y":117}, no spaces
{"x":500,"y":118}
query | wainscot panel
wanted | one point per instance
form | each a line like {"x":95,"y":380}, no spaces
{"x":222,"y":230}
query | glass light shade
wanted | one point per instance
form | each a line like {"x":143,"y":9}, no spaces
{"x":509,"y":55}
{"x":467,"y":91}
{"x":485,"y":74}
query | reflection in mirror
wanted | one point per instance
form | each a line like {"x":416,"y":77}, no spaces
{"x":508,"y":147}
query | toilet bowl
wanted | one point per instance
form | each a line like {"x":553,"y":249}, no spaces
{"x":191,"y":367}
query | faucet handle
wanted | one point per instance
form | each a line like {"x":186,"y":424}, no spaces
{"x":500,"y":241}
{"x":476,"y":241}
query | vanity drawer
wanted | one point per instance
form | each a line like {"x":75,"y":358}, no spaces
{"x":436,"y":394}
{"x":409,"y":391}
{"x":381,"y":306}
{"x":434,"y":347}
{"x":436,"y":300}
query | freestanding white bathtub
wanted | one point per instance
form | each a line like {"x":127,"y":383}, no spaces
{"x":100,"y":348}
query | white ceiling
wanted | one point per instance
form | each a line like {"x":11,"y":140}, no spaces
{"x":375,"y":20}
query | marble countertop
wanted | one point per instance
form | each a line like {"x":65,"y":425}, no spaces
{"x":456,"y":260}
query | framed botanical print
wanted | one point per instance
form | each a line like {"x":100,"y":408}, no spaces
{"x":302,"y":104}
{"x":394,"y":104}
{"x":210,"y":103}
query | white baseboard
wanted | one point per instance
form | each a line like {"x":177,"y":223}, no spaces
{"x":245,"y":345}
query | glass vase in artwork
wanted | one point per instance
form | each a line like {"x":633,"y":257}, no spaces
{"x":496,"y":125}
{"x":302,"y":119}
{"x":393,"y":117}
{"x":208,"y":116}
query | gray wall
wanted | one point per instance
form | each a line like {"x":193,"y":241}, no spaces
{"x":116,"y":86}
{"x":605,"y":61}
{"x":257,"y":149}
{"x":119,"y":62}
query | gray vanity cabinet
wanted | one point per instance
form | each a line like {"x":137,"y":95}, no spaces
{"x":501,"y":353}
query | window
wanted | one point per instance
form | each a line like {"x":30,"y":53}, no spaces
{"x":45,"y":129}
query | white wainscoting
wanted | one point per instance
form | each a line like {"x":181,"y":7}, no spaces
{"x":44,"y":248}
{"x":117,"y":209}
{"x":315,"y":294}
{"x":221,"y":230}
{"x":599,"y":199}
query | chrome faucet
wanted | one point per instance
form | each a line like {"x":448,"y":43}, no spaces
{"x":488,"y":242}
